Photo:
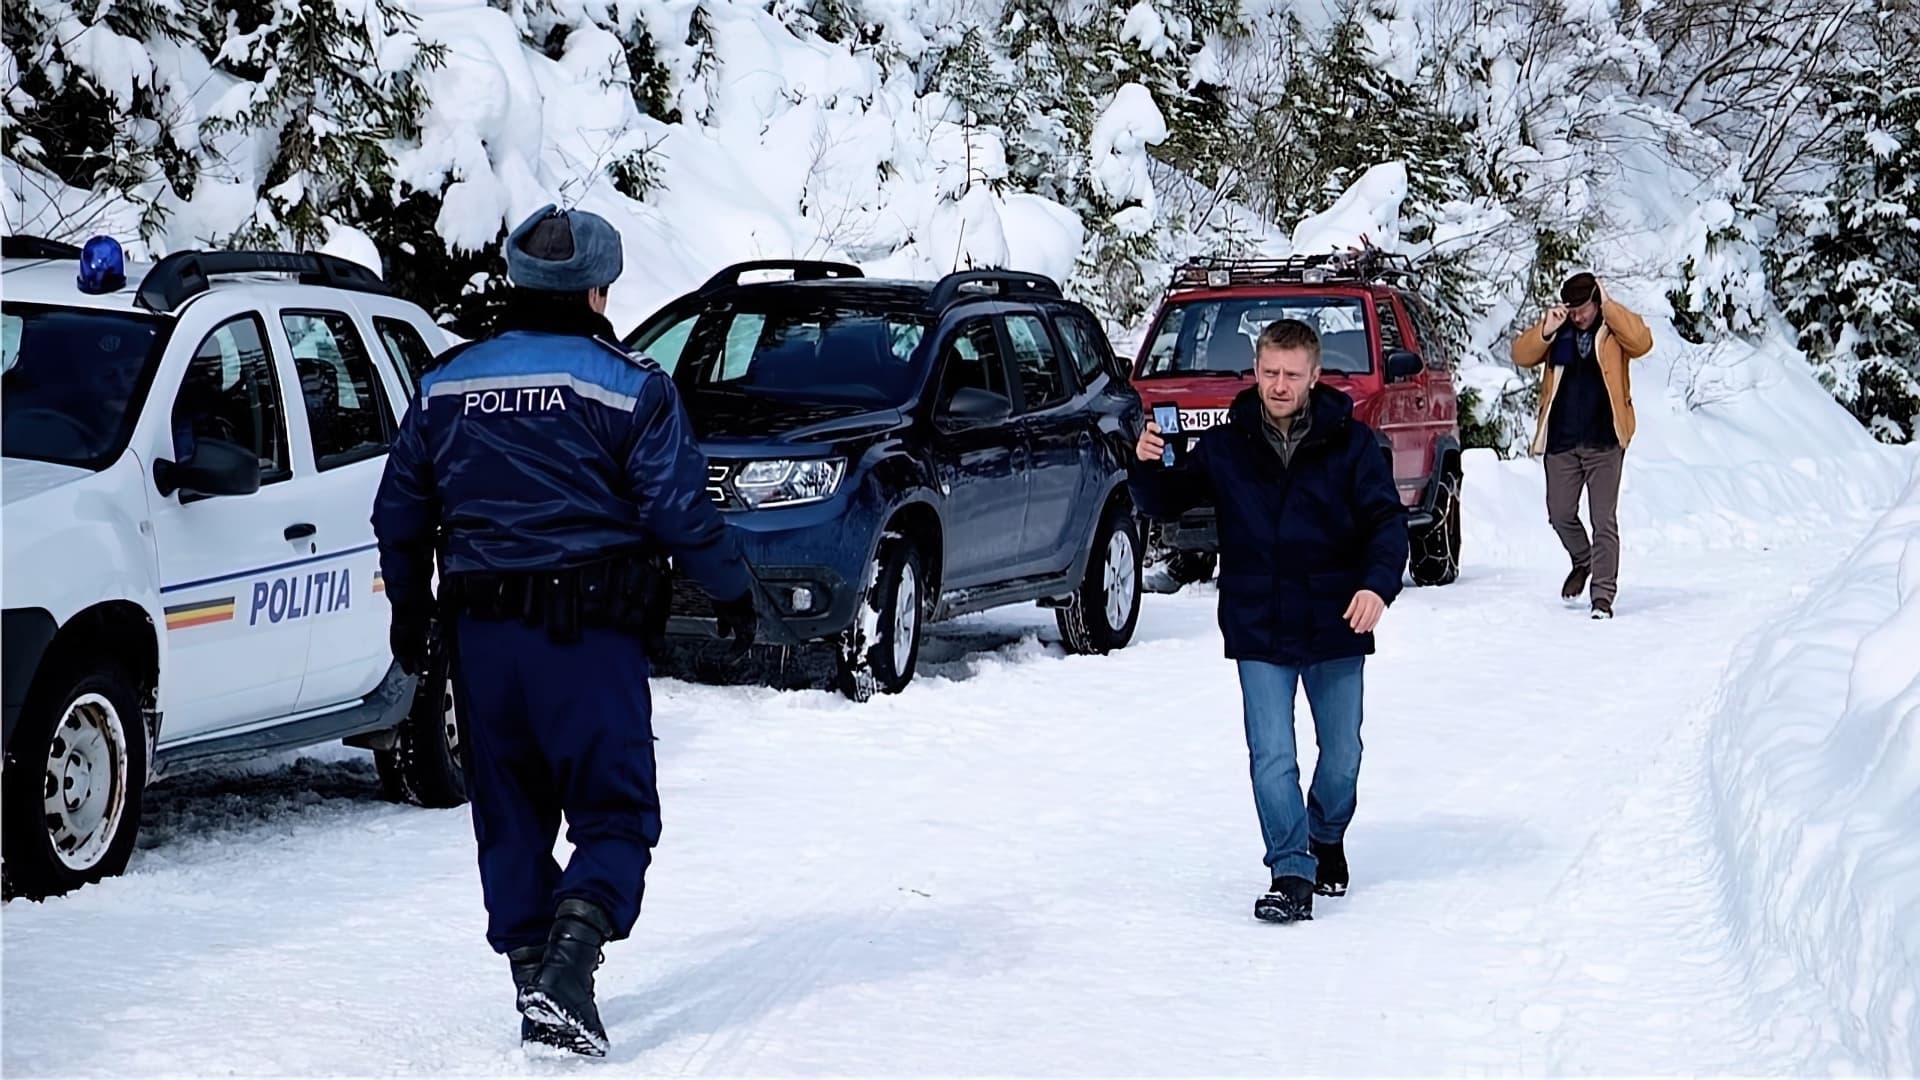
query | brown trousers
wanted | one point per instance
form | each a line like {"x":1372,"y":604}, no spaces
{"x":1598,"y":473}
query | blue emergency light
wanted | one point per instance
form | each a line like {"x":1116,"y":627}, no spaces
{"x":103,"y":266}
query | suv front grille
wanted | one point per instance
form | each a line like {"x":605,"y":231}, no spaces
{"x":717,"y":483}
{"x":690,"y":601}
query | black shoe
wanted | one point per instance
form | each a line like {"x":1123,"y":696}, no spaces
{"x":561,"y":993}
{"x":1330,"y":878}
{"x":1575,"y":584}
{"x":1602,"y":609}
{"x":1289,"y":900}
{"x":526,"y":964}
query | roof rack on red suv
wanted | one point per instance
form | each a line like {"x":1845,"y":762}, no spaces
{"x":1363,"y":265}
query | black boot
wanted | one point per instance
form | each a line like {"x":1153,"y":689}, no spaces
{"x":1331,"y":877}
{"x":1289,"y":900}
{"x":526,"y":964}
{"x":561,"y":993}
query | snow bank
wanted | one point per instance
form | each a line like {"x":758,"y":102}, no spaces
{"x":1815,"y":762}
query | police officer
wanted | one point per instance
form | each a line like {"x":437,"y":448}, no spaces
{"x":549,"y":470}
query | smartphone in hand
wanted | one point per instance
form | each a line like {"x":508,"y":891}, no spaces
{"x":1166,"y":414}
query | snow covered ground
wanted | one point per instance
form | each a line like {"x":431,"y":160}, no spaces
{"x":1036,"y":864}
{"x":1815,"y":761}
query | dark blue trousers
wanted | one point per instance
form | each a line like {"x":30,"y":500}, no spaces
{"x":557,"y":731}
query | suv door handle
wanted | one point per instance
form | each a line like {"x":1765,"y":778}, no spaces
{"x":300,"y":531}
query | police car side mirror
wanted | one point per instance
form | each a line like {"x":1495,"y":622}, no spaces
{"x":972,"y":407}
{"x":216,"y":468}
{"x":1403,"y":365}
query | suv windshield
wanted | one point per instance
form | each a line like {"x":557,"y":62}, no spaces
{"x":811,"y":354}
{"x":1202,"y":337}
{"x":75,"y":381}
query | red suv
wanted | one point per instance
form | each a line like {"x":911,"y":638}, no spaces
{"x":1377,"y":345}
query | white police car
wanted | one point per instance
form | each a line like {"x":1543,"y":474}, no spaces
{"x":192,"y":449}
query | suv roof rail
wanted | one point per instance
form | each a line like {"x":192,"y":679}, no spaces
{"x":183,"y":275}
{"x":1365,"y":266}
{"x":1007,"y":282}
{"x":20,"y":246}
{"x":803,"y":270}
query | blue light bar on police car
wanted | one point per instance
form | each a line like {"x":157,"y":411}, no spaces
{"x":103,"y":266}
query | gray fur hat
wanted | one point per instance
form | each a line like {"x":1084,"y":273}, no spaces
{"x":563,"y":251}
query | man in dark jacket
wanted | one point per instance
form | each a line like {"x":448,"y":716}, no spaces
{"x":1313,"y":545}
{"x":550,"y":470}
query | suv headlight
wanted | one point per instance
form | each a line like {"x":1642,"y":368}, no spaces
{"x":783,"y":483}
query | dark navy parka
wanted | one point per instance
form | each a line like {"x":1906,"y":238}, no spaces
{"x":543,"y":447}
{"x":1296,"y":541}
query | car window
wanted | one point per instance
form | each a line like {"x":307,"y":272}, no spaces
{"x":1085,"y":344}
{"x":1217,"y":336}
{"x":972,"y":359}
{"x":1422,"y":319}
{"x":1041,"y":384}
{"x":664,"y":344}
{"x":76,"y":381}
{"x":406,"y":348}
{"x":346,"y":407}
{"x":230,"y":393}
{"x":743,"y":333}
{"x":1390,"y":336}
{"x":805,"y":353}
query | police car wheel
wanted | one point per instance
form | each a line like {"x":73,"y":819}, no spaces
{"x":883,"y":650}
{"x":1103,"y":612}
{"x":424,"y":767}
{"x":75,"y":774}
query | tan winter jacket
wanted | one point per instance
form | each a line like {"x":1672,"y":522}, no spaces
{"x":1623,"y":336}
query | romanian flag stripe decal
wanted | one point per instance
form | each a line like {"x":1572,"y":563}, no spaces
{"x":200,"y":613}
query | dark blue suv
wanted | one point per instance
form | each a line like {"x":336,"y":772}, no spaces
{"x":900,"y":452}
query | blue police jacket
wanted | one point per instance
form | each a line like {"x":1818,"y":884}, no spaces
{"x":544,"y":447}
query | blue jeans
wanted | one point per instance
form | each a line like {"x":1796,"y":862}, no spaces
{"x":1334,"y":695}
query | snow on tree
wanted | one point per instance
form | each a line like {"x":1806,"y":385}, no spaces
{"x":83,"y":104}
{"x":1723,"y":289}
{"x":1111,"y":273}
{"x":1119,"y":154}
{"x":332,"y":86}
{"x":1849,"y":276}
{"x":547,"y":24}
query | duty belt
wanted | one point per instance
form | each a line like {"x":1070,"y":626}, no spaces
{"x":628,"y":592}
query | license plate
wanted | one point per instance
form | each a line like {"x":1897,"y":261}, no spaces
{"x":1201,"y":419}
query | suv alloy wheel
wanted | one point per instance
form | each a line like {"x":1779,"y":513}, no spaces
{"x":882,"y":649}
{"x":1101,"y":615}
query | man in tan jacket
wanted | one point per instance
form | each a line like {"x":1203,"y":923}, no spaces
{"x":1584,"y":424}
